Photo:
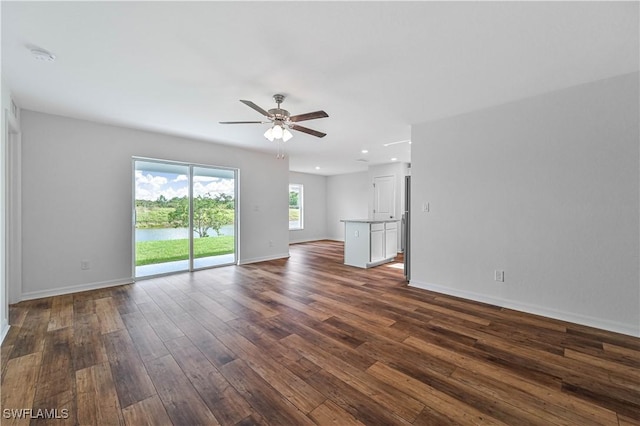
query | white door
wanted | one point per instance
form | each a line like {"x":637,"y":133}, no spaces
{"x":384,"y":197}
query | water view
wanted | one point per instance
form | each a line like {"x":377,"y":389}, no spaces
{"x":156,"y":234}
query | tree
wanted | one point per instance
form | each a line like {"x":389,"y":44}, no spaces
{"x":208,"y":213}
{"x":162,"y":200}
{"x":293,"y":198}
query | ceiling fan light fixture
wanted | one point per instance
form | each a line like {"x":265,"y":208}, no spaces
{"x":286,"y":135}
{"x":269,"y":134}
{"x":277,"y":131}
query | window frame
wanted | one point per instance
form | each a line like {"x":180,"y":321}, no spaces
{"x":300,"y":189}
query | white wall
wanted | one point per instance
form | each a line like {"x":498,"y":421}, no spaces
{"x":546,"y":189}
{"x":314,"y":207}
{"x":77,"y":199}
{"x":347,"y":198}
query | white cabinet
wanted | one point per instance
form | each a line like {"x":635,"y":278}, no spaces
{"x":377,"y":242}
{"x":369,"y":243}
{"x":391,"y":239}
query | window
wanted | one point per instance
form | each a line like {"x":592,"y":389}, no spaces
{"x":295,"y":206}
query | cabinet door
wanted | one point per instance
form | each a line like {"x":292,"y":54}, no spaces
{"x":391,"y":243}
{"x":377,"y":245}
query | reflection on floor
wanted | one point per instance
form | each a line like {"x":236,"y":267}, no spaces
{"x":183,"y":265}
{"x":396,"y":265}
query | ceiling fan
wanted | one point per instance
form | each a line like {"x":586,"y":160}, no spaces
{"x":282,"y":121}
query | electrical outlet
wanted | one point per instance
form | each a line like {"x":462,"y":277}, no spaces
{"x":270,"y":243}
{"x":499,"y":275}
{"x":85,"y":264}
{"x":425,"y":207}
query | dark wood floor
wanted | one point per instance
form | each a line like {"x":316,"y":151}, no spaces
{"x":308,"y":341}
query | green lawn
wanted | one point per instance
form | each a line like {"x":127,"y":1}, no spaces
{"x":294,"y":213}
{"x":148,"y":252}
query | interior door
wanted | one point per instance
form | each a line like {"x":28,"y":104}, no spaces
{"x":384,"y":197}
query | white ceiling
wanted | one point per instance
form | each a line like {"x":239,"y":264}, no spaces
{"x":374,"y":67}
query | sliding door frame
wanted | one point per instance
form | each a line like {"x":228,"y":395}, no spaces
{"x":191,"y":166}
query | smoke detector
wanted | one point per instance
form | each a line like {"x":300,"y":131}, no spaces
{"x":42,"y":55}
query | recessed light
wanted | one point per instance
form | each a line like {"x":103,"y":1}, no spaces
{"x":42,"y":55}
{"x":317,"y":167}
{"x":394,"y":159}
{"x":364,"y":151}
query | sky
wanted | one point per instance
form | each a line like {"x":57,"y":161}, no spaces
{"x":149,"y":186}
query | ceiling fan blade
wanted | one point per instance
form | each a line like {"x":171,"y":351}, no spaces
{"x":243,"y":122}
{"x":308,"y":130}
{"x":308,"y":116}
{"x":256,"y":107}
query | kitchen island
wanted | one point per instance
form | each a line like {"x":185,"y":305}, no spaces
{"x":370,"y":242}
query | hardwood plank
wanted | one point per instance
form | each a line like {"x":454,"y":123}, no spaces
{"x":19,"y":385}
{"x":56,"y":385}
{"x":437,"y":400}
{"x":343,"y":307}
{"x":555,"y":401}
{"x":129,"y":374}
{"x":182,"y":402}
{"x":108,"y":315}
{"x":144,"y":337}
{"x":304,"y":397}
{"x":123,"y":299}
{"x":97,"y":397}
{"x":213,"y":348}
{"x":294,"y":304}
{"x":159,"y":321}
{"x":212,"y":306}
{"x":360,"y":406}
{"x":61,"y":313}
{"x":618,"y":373}
{"x":223,"y":400}
{"x":249,"y":302}
{"x":329,"y":413}
{"x":263,"y":398}
{"x":88,"y":347}
{"x":31,"y":334}
{"x":148,"y":412}
{"x":386,"y":396}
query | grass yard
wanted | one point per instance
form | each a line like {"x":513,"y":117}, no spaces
{"x":148,"y":252}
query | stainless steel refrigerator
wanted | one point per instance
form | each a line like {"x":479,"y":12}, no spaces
{"x":406,"y":228}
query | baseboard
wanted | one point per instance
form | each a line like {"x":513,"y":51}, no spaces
{"x":307,"y":240}
{"x":4,"y":331}
{"x":263,"y":259}
{"x":589,"y":321}
{"x":74,"y":289}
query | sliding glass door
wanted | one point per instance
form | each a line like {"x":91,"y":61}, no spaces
{"x":185,"y":217}
{"x":213,"y":217}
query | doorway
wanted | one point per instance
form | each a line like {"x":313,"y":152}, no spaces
{"x":184,"y":217}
